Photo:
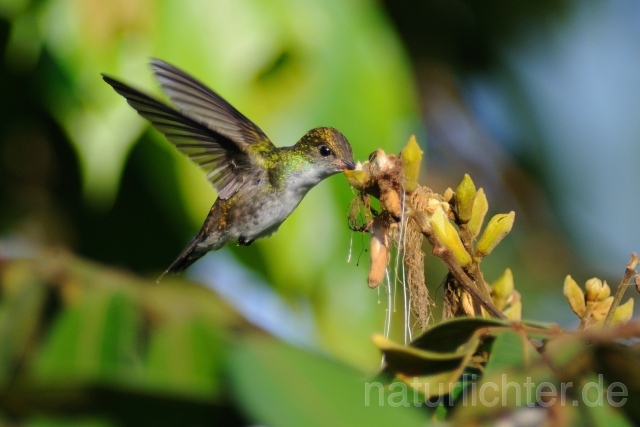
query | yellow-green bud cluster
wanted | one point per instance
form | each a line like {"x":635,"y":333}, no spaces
{"x":505,"y":297}
{"x":480,"y":208}
{"x":411,"y":156}
{"x":471,"y":209}
{"x":499,"y":226}
{"x":593,"y":304}
{"x":465,"y":196}
{"x":448,"y":236}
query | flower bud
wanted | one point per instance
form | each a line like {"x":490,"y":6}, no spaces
{"x":379,"y":252}
{"x":433,"y":205}
{"x":604,"y":292}
{"x":438,"y":219}
{"x":593,"y":287}
{"x":480,"y":208}
{"x":514,"y":313}
{"x":448,"y":194}
{"x":358,"y":177}
{"x":448,"y":236}
{"x":599,"y":309}
{"x":411,"y":156}
{"x":623,"y":313}
{"x":574,"y":295}
{"x":390,"y":201}
{"x":465,"y":196}
{"x":502,"y":289}
{"x":381,"y":160}
{"x":467,"y":304}
{"x":499,"y":226}
{"x":446,"y":207}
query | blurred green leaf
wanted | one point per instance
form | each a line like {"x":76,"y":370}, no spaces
{"x":620,"y":365}
{"x":185,"y":356}
{"x":280,"y":385}
{"x":510,"y":350}
{"x":97,"y":342}
{"x":94,"y":339}
{"x":20,"y":309}
{"x":595,"y":404}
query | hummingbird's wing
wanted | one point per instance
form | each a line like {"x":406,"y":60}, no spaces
{"x":202,"y":104}
{"x":224,"y":151}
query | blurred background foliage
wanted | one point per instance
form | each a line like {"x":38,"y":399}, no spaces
{"x":537,"y":101}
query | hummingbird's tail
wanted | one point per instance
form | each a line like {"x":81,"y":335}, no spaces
{"x":193,"y":252}
{"x":208,"y":239}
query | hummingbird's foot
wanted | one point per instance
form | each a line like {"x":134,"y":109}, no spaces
{"x":242,"y":241}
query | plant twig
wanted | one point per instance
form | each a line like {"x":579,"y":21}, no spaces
{"x":471,"y":288}
{"x":629,"y":273}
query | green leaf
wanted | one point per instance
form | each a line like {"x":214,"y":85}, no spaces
{"x":594,"y":404}
{"x":76,"y":341}
{"x":510,"y":350}
{"x":410,"y":361}
{"x":20,"y":314}
{"x":97,"y":339}
{"x":620,"y":365}
{"x":280,"y":385}
{"x":448,"y":336}
{"x":185,"y":356}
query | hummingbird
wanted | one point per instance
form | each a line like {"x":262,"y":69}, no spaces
{"x":258,"y":184}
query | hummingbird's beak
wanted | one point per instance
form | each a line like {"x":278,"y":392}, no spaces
{"x":349,"y":165}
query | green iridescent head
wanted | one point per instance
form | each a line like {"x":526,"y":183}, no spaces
{"x":327,"y":149}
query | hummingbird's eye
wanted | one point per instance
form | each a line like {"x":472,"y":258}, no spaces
{"x":325,"y":151}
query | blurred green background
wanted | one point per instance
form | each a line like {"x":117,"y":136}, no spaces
{"x":538,"y":101}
